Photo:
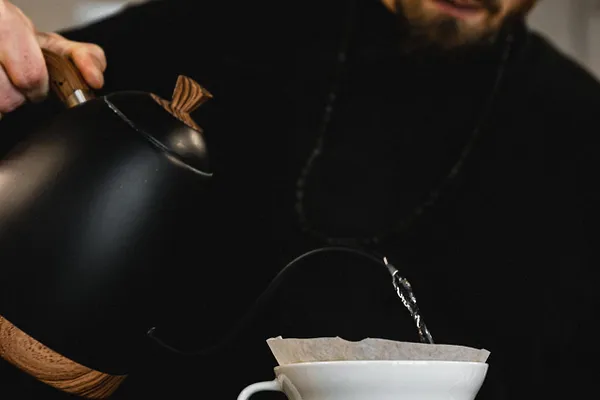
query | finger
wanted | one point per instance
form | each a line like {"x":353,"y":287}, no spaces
{"x":24,"y":65}
{"x":88,"y":58}
{"x":10,"y":97}
{"x":98,"y":53}
{"x":91,"y":67}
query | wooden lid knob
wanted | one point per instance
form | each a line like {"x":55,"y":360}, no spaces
{"x":187,"y":97}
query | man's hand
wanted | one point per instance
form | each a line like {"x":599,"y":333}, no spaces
{"x":23,"y":73}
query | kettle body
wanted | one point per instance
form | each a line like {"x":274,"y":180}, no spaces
{"x":91,"y":215}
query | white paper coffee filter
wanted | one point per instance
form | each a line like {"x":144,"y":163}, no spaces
{"x":294,"y":351}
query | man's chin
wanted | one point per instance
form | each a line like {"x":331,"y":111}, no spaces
{"x":429,"y":31}
{"x":445,"y":44}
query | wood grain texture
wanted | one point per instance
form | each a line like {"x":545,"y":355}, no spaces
{"x":65,"y":78}
{"x":48,"y":366}
{"x":187,"y":97}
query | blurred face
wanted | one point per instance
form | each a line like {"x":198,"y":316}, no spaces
{"x":450,"y":24}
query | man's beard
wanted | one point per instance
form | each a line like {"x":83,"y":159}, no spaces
{"x":443,"y":37}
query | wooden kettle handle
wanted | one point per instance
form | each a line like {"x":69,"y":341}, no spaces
{"x":66,"y":81}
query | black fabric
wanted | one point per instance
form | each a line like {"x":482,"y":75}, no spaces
{"x":505,"y":260}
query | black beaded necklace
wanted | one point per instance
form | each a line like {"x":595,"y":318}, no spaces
{"x":434,"y":194}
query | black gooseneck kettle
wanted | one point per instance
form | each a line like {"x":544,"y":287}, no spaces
{"x":90,"y":211}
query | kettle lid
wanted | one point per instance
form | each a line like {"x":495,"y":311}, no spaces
{"x":168,"y":124}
